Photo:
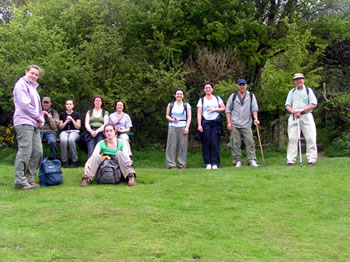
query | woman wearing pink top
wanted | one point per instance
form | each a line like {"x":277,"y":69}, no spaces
{"x":27,"y":120}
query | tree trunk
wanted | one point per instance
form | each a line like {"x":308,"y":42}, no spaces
{"x":281,"y":130}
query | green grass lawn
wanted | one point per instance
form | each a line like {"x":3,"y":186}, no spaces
{"x":271,"y":213}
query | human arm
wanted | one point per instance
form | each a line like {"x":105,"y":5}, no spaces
{"x":188,"y":122}
{"x":256,"y":120}
{"x":199,"y":118}
{"x":168,"y":116}
{"x":228,"y":118}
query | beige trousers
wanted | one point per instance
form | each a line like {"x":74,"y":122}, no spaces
{"x":93,"y":163}
{"x":308,"y":129}
{"x":125,"y":137}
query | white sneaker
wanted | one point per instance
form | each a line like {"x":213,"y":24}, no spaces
{"x":215,"y":167}
{"x":253,"y":163}
{"x":238,"y":164}
{"x":208,"y":166}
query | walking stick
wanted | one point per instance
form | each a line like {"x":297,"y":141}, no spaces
{"x":261,"y":149}
{"x":300,"y":153}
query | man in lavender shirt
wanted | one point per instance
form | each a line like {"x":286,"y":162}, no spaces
{"x":27,"y":120}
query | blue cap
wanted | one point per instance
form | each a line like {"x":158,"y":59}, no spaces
{"x":241,"y":81}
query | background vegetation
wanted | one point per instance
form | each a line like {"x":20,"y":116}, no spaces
{"x":141,"y":51}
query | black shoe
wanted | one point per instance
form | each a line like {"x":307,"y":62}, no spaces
{"x":311,"y":163}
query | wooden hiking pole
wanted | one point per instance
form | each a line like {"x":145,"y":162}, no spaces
{"x":261,"y":149}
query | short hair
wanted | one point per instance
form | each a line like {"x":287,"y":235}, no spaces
{"x":102,"y":100}
{"x":116,"y":102}
{"x":208,"y":83}
{"x":41,"y":71}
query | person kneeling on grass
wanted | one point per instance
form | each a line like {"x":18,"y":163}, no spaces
{"x":111,"y":146}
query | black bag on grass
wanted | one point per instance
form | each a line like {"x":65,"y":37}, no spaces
{"x":50,"y":173}
{"x":109,"y":172}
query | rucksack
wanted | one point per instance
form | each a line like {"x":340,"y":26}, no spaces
{"x":109,"y":172}
{"x":50,"y":173}
{"x":234,"y":98}
{"x":185,"y":109}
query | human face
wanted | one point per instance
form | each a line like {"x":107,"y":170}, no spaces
{"x":32,"y":74}
{"x":46,"y":105}
{"x":179,"y":95}
{"x":109,"y":132}
{"x":69,"y":105}
{"x":242,"y":88}
{"x":97,"y":102}
{"x":208,"y":89}
{"x":299,"y":82}
{"x":119,"y":106}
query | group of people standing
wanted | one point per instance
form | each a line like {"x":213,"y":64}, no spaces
{"x":241,"y":112}
{"x":34,"y":121}
{"x":108,"y":133}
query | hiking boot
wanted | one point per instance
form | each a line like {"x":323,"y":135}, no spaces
{"x":26,"y":187}
{"x":311,"y":163}
{"x":131,"y":180}
{"x":253,"y":163}
{"x":290,"y":164}
{"x":238,"y":164}
{"x":214,"y":167}
{"x":85,"y":182}
{"x":75,"y":164}
{"x":208,"y":166}
{"x":33,"y":185}
{"x":65,"y":164}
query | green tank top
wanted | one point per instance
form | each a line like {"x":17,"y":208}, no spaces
{"x":106,"y":151}
{"x":96,"y":122}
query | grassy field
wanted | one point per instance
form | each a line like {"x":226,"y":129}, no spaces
{"x":271,"y":213}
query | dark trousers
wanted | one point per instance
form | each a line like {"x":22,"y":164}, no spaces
{"x":93,"y":142}
{"x":50,"y":137}
{"x":211,"y":144}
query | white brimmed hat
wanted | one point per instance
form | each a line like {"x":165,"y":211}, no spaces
{"x":298,"y":75}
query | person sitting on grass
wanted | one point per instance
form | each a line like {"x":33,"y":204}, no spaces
{"x":114,"y":147}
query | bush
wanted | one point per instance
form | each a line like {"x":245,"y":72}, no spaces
{"x":7,"y":137}
{"x":340,"y":147}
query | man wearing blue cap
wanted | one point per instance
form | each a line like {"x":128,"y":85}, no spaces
{"x":240,"y":108}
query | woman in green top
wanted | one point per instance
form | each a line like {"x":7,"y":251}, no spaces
{"x":95,"y":119}
{"x":110,"y":146}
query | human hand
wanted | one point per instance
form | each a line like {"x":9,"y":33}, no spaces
{"x":186,"y":131}
{"x":256,"y":122}
{"x":93,"y":133}
{"x":69,"y":118}
{"x":210,"y":110}
{"x":200,"y":129}
{"x":229,"y":126}
{"x":41,"y":123}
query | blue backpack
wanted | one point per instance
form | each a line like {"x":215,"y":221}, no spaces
{"x":50,"y":173}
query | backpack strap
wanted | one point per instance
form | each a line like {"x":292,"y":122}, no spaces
{"x":185,"y":109}
{"x":307,"y":92}
{"x":232,"y":101}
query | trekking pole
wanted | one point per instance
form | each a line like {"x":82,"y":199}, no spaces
{"x":299,"y":134}
{"x":261,"y":149}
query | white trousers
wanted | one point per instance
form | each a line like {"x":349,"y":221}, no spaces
{"x":308,"y":128}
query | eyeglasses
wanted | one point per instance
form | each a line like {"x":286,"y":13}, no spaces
{"x":46,"y":102}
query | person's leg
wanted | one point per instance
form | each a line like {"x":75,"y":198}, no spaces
{"x":91,"y":146}
{"x":215,"y":147}
{"x":24,"y":134}
{"x":182,"y":147}
{"x":64,"y":147}
{"x":206,"y":142}
{"x":73,"y":137}
{"x":235,"y":139}
{"x":171,"y":144}
{"x":125,"y":137}
{"x":292,"y":150}
{"x":127,"y":171}
{"x":249,"y":143}
{"x":308,"y":128}
{"x":92,"y":165}
{"x":51,"y":140}
{"x":36,"y":156}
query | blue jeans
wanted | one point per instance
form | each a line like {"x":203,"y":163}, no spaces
{"x":93,"y":142}
{"x":50,"y":137}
